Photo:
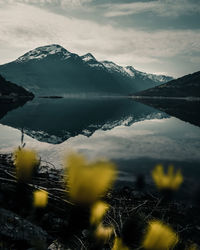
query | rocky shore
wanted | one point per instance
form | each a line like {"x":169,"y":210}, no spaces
{"x":131,"y":207}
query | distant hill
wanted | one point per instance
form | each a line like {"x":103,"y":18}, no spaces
{"x":52,"y":70}
{"x":186,"y":86}
{"x":12,"y":96}
{"x":12,"y":92}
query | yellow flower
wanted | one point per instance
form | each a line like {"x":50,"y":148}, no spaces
{"x":103,"y":233}
{"x":40,"y":198}
{"x":170,"y":180}
{"x":25,"y":161}
{"x":98,"y":210}
{"x":87,"y":182}
{"x":159,"y":237}
{"x":119,"y":245}
{"x":192,"y":247}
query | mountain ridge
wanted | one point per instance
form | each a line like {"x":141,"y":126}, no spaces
{"x":53,"y":69}
{"x":186,"y":86}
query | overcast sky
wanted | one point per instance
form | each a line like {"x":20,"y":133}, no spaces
{"x":157,"y":36}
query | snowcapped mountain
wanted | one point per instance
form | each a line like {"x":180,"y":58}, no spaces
{"x":52,"y":69}
{"x":88,"y":57}
{"x":42,"y":52}
{"x":157,"y":78}
{"x":127,"y":71}
{"x":112,"y":67}
{"x":130,"y":70}
{"x":91,"y":61}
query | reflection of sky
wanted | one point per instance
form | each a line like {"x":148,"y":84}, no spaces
{"x":166,"y":139}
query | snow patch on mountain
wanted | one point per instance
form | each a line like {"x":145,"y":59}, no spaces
{"x":157,"y":78}
{"x":88,"y":57}
{"x":112,"y":67}
{"x":44,"y":51}
{"x":90,"y":60}
{"x":130,"y":70}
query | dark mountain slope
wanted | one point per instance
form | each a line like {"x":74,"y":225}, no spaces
{"x":186,"y":86}
{"x":8,"y":89}
{"x":52,"y":69}
{"x":179,"y":98}
{"x":12,"y":96}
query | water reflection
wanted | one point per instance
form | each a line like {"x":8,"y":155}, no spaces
{"x":186,"y":110}
{"x":6,"y":107}
{"x":131,"y":134}
{"x":157,"y":139}
{"x":57,"y":120}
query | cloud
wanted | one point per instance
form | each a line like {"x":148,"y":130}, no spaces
{"x":24,"y":27}
{"x":63,"y":3}
{"x":168,"y":8}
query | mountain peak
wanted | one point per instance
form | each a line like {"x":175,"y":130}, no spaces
{"x":113,"y":67}
{"x":130,"y":71}
{"x":130,"y":68}
{"x":44,"y":51}
{"x":88,"y":57}
{"x":108,"y":62}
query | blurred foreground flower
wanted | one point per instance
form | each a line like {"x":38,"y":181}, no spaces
{"x":25,"y":161}
{"x":88,"y":182}
{"x":118,"y":245}
{"x":170,"y":181}
{"x":40,"y":198}
{"x":103,"y":233}
{"x":159,"y":237}
{"x":98,"y":210}
{"x":192,"y":247}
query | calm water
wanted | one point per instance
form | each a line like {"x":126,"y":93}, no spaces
{"x":134,"y":135}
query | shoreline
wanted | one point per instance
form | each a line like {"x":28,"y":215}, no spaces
{"x":188,"y":98}
{"x":126,"y":202}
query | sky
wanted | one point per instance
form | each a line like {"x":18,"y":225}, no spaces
{"x":155,"y":36}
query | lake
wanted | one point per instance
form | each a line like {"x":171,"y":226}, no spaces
{"x":135,"y":136}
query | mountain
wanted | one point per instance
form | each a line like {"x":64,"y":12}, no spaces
{"x":12,"y":92}
{"x":52,"y":70}
{"x":181,"y":98}
{"x":186,"y":86}
{"x":12,"y":96}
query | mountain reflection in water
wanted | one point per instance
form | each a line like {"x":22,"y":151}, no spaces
{"x":133,"y":135}
{"x":184,"y":109}
{"x":56,"y":120}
